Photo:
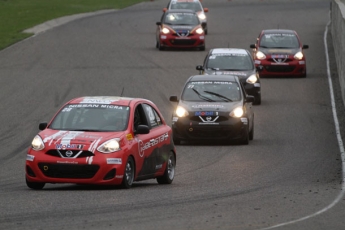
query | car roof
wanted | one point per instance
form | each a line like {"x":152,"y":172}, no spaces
{"x":273,"y":31}
{"x":174,"y":1}
{"x":214,"y":77}
{"x":111,"y":100}
{"x":229,"y":51}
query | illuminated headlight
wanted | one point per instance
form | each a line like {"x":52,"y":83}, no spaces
{"x":298,"y":55}
{"x":199,"y":31}
{"x":202,"y":16}
{"x":37,"y":143}
{"x":110,"y":146}
{"x":260,"y":55}
{"x":238,"y":112}
{"x":165,"y":30}
{"x":252,"y":79}
{"x":181,"y":112}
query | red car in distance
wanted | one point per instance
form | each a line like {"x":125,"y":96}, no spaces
{"x":104,"y":141}
{"x":279,"y":53}
{"x":180,"y":29}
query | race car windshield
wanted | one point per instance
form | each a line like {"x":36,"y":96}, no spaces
{"x":213,"y":91}
{"x":181,"y":19}
{"x":92,"y":117}
{"x":230,"y":62}
{"x":279,"y":41}
{"x":187,"y":6}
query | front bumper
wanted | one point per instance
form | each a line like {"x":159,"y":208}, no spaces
{"x":272,"y":69}
{"x":102,"y":169}
{"x":193,"y":41}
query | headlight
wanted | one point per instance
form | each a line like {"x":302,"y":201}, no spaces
{"x":252,"y":79}
{"x":199,"y":31}
{"x":298,"y":55}
{"x":202,"y":16}
{"x":110,"y":146}
{"x":165,"y":30}
{"x":238,"y":112}
{"x":37,"y":143}
{"x":260,"y":55}
{"x":181,"y":112}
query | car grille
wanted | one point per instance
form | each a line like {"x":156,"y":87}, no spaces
{"x":69,"y":153}
{"x":72,"y":171}
{"x":183,"y":42}
{"x":280,"y":68}
{"x":209,"y":132}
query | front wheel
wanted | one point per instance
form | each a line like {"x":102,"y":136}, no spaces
{"x":169,"y":172}
{"x":128,"y":176}
{"x":34,"y":185}
{"x":245,"y":139}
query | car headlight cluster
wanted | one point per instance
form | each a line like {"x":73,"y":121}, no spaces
{"x":110,"y":146}
{"x":260,"y":55}
{"x":252,"y":79}
{"x":37,"y":143}
{"x":237,"y":112}
{"x":199,"y":31}
{"x":181,"y":112}
{"x":165,"y":30}
{"x":202,"y":16}
{"x":298,"y":55}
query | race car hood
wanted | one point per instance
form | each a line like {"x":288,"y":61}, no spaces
{"x":182,"y":28}
{"x":58,"y":139}
{"x":242,"y":75}
{"x":209,"y":106}
{"x":272,"y":51}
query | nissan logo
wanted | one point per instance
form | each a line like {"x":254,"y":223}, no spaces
{"x":69,"y":153}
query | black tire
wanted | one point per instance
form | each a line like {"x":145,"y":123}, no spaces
{"x":169,"y":172}
{"x":245,"y":139}
{"x":206,"y":32}
{"x":35,"y":185}
{"x":177,"y":141}
{"x":251,"y":133}
{"x":128,"y":175}
{"x":160,"y":47}
{"x":257,"y":100}
{"x":157,"y":44}
{"x":202,"y":48}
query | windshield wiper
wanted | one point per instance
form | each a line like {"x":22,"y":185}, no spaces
{"x":218,"y":95}
{"x":202,"y":97}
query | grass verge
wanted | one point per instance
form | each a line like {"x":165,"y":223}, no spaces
{"x":18,"y":15}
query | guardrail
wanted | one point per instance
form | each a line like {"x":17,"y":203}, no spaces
{"x":338,"y":37}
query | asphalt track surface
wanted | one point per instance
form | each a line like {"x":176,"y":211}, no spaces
{"x":289,"y":177}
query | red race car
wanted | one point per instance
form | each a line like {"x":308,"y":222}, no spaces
{"x":180,"y":29}
{"x":102,"y":140}
{"x":279,"y":52}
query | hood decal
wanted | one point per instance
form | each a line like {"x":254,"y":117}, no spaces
{"x":94,"y":145}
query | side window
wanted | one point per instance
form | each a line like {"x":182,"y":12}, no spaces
{"x":152,"y":115}
{"x":139,"y":117}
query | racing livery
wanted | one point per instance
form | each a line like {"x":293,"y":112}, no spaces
{"x":234,"y":61}
{"x":213,"y":107}
{"x":102,"y":140}
{"x":180,"y":29}
{"x":194,"y":5}
{"x":279,"y":52}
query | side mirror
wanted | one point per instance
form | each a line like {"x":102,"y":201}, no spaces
{"x":165,"y":9}
{"x":42,"y":125}
{"x":203,"y":24}
{"x":250,"y":98}
{"x":199,"y":67}
{"x":305,"y":47}
{"x":205,"y":10}
{"x":158,"y":23}
{"x":173,"y":99}
{"x":142,"y":129}
{"x":252,"y":46}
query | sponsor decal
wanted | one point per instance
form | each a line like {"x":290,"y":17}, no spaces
{"x":144,"y":146}
{"x":202,"y":37}
{"x":68,"y":146}
{"x":129,"y":137}
{"x":208,"y":120}
{"x":104,"y":100}
{"x":279,"y":63}
{"x":83,"y":106}
{"x":257,"y":62}
{"x":163,"y":37}
{"x":159,"y":166}
{"x":208,"y":105}
{"x":244,"y":120}
{"x":301,"y":62}
{"x":208,"y":123}
{"x":114,"y":161}
{"x":257,"y":84}
{"x":175,"y":119}
{"x":111,"y":107}
{"x":89,"y":160}
{"x":205,"y":113}
{"x":30,"y":157}
{"x":67,"y":162}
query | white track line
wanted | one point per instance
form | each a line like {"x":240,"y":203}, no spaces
{"x":340,"y":143}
